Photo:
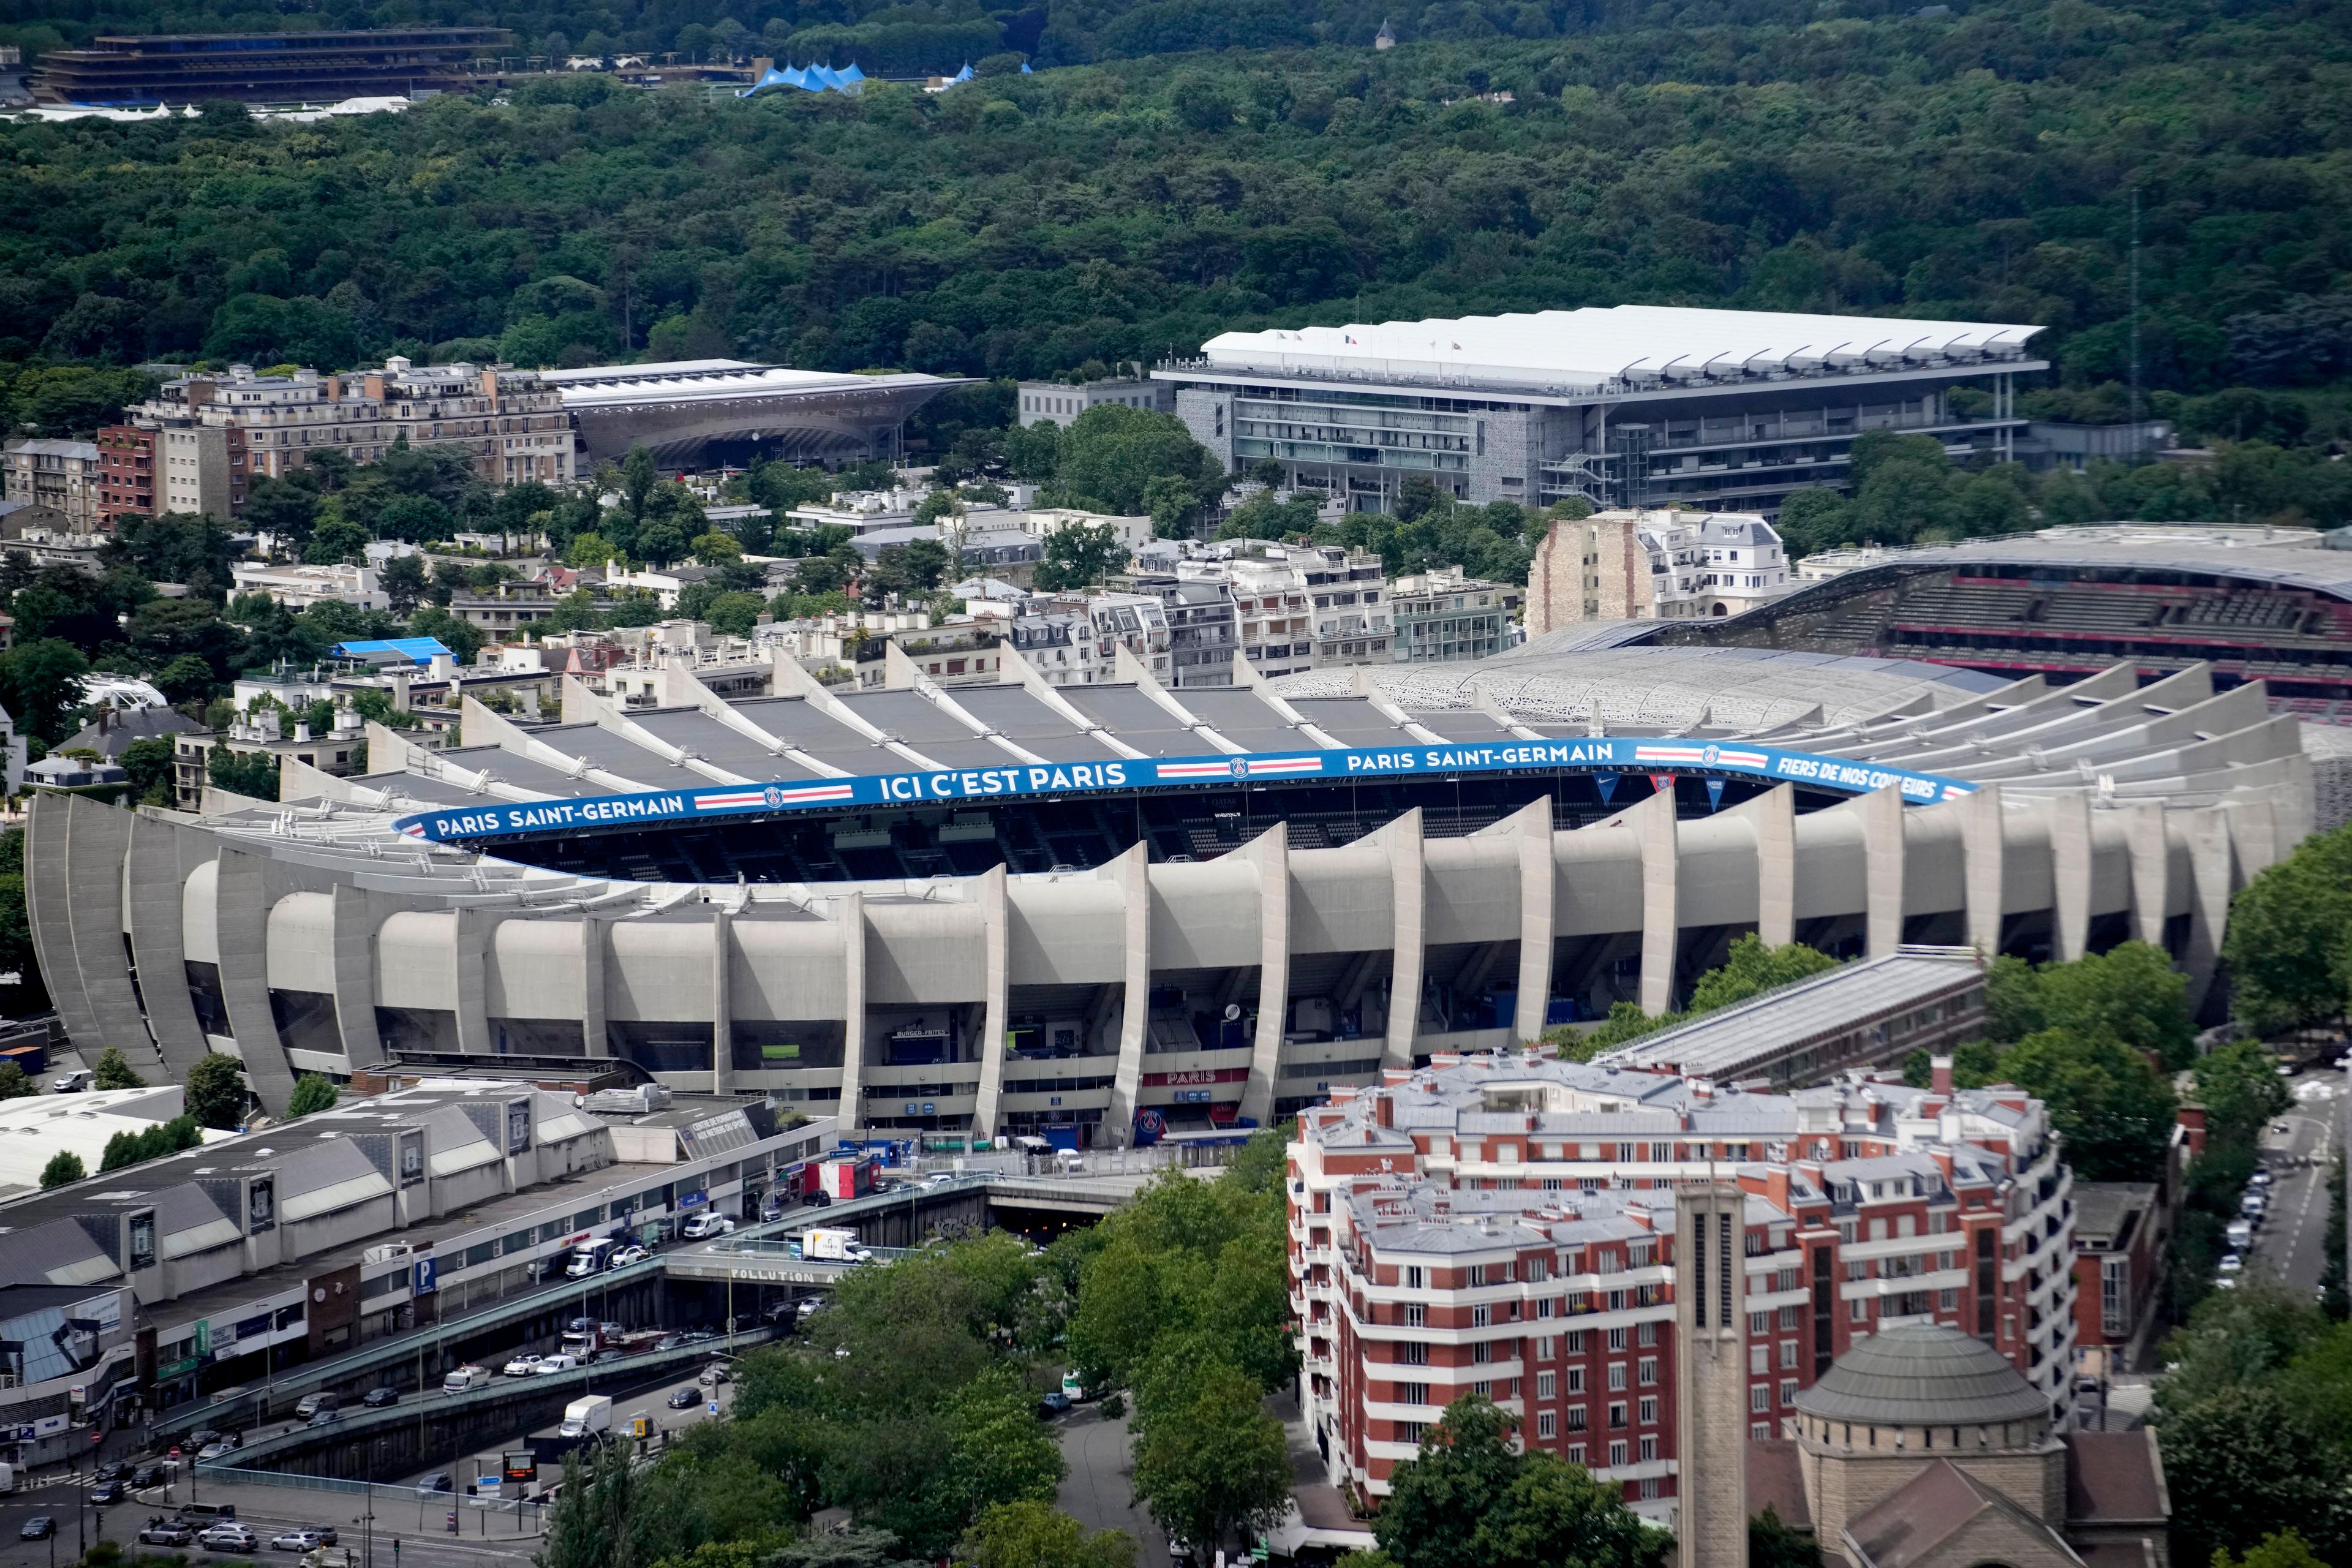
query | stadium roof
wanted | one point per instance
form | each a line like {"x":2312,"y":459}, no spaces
{"x":2287,"y":557}
{"x":693,"y":380}
{"x":1622,"y":347}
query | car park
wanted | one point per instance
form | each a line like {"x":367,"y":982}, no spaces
{"x":296,"y":1541}
{"x":522,"y":1365}
{"x":378,"y":1397}
{"x":159,"y":1531}
{"x":40,"y":1527}
{"x":685,"y":1398}
{"x":107,"y":1492}
{"x":230,"y":1536}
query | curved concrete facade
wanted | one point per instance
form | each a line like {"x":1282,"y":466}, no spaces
{"x":309,"y":936}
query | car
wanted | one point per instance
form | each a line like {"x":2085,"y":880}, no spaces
{"x":580,"y":1325}
{"x":162,"y":1532}
{"x":522,"y":1365}
{"x":326,"y":1416}
{"x":327,"y":1536}
{"x":820,"y":1199}
{"x":380,"y":1396}
{"x":549,"y":1364}
{"x":669,"y":1342}
{"x":215,"y":1451}
{"x":611,"y":1331}
{"x":313,"y":1403}
{"x":808,"y":1308}
{"x":2282,"y":1128}
{"x":112,"y":1470}
{"x":939,"y":1179}
{"x":713,"y":1375}
{"x":228,"y":1536}
{"x":40,"y":1527}
{"x":71,"y":1082}
{"x":296,"y":1541}
{"x":146,"y":1476}
{"x":106,"y":1493}
{"x":1055,"y":1402}
{"x":2226,"y":1282}
{"x":685,"y":1398}
{"x":2231,"y":1263}
{"x":2260,"y":1179}
{"x":627,"y":1256}
{"x":770,"y":1213}
{"x":609,"y":1353}
{"x":1180,"y":1551}
{"x":434,"y":1483}
{"x":205,"y":1437}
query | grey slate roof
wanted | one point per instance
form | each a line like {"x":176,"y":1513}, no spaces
{"x":1732,"y":1041}
{"x":1922,"y":1376}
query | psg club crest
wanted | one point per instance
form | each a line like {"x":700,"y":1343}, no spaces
{"x":773,"y":796}
{"x":1707,"y":758}
{"x":1238,"y":767}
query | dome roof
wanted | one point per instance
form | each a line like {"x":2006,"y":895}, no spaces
{"x":1922,"y":1376}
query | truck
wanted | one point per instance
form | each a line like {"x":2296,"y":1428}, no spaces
{"x":589,"y":1417}
{"x":467,"y":1378}
{"x":836,"y":1245}
{"x":847,"y":1176}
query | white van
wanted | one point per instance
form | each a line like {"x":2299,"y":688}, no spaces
{"x":467,"y":1378}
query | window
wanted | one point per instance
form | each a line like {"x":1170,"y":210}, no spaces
{"x":1647,"y":1372}
{"x":1759,"y":1397}
{"x":1416,"y":1316}
{"x":1649,"y":1410}
{"x":1649,"y":1451}
{"x":1617,"y":1455}
{"x":1616,"y":1376}
{"x":1407,"y":1431}
{"x":1576,"y":1419}
{"x":1482,"y":1352}
{"x":1543,"y":1347}
{"x":1788,"y":1390}
{"x":1645,"y":1334}
{"x":1480,"y":1317}
{"x":1412,"y":1394}
{"x":1545,"y":1384}
{"x":1616,"y":1336}
{"x":1546,"y":1427}
{"x":1412,"y":1352}
{"x":1757,"y":1355}
{"x":1413,"y":1278}
{"x":1858,"y":1310}
{"x":1576,"y":1341}
{"x":1788,"y":1354}
{"x":1616,"y":1415}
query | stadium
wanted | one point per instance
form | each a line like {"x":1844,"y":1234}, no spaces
{"x":1119,"y":911}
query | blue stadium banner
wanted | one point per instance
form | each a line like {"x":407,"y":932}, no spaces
{"x":1602,"y":756}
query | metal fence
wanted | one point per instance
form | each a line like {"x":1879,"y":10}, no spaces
{"x":393,"y":1508}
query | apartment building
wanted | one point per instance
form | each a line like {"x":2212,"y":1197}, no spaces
{"x":298,"y":587}
{"x":1073,"y":639}
{"x":1654,"y":565}
{"x":126,"y":476}
{"x":213,"y":434}
{"x":1503,"y":1224}
{"x":1310,"y":606}
{"x":1445,"y":615}
{"x":61,"y":477}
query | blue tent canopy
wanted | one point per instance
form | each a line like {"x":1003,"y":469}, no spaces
{"x":418,"y":650}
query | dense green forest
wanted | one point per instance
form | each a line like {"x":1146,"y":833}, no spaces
{"x":1977,"y":163}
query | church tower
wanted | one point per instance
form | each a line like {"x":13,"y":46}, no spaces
{"x":1711,"y":1374}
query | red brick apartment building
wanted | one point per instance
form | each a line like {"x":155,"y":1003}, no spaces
{"x":126,"y":460}
{"x":1505,"y":1225}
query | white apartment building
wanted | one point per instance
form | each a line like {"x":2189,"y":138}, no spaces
{"x":1654,"y":565}
{"x":1073,"y":639}
{"x":1306,"y":607}
{"x":219,"y":432}
{"x":299,"y":587}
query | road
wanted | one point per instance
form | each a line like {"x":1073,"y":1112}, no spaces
{"x":491,"y":1538}
{"x":2292,"y":1242}
{"x":1099,"y":1490}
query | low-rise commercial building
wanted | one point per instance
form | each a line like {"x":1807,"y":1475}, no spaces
{"x":1059,"y":403}
{"x":298,"y":587}
{"x":1504,"y":1225}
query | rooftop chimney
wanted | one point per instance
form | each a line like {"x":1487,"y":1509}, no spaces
{"x":1385,"y":1108}
{"x":1940,"y":1065}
